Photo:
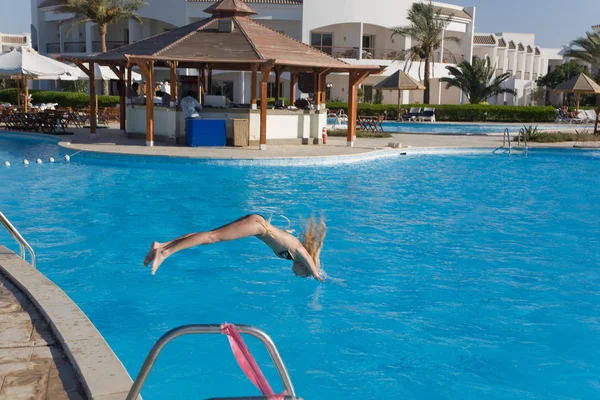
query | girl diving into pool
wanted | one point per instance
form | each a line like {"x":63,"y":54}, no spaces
{"x":305,"y":253}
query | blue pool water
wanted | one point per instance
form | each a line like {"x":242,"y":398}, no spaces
{"x":451,"y":129}
{"x":450,"y":276}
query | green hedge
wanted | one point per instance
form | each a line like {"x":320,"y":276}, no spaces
{"x":64,"y":99}
{"x":461,"y":113}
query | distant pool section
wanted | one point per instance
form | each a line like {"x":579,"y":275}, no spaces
{"x":455,"y":128}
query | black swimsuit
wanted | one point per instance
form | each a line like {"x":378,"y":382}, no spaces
{"x":285,"y":255}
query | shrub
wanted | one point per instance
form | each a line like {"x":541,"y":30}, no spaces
{"x":359,"y":133}
{"x":558,"y":137}
{"x":64,"y":99}
{"x":462,"y":113}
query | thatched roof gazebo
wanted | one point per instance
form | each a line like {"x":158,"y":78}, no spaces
{"x":228,"y":40}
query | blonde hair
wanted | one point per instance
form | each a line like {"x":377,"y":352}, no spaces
{"x":312,"y":237}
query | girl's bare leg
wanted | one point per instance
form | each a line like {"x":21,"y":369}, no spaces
{"x":251,"y":225}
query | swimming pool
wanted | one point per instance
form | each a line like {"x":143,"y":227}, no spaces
{"x":456,"y":129}
{"x":450,"y":276}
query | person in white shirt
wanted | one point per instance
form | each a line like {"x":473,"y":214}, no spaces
{"x":190,"y":105}
{"x":165,"y":88}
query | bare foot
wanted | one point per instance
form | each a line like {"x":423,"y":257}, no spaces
{"x":155,"y":256}
{"x":159,"y":257}
{"x":151,"y":254}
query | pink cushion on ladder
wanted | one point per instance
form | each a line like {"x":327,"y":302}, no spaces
{"x":247,"y":363}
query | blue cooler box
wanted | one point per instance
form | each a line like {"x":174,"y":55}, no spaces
{"x":205,"y":132}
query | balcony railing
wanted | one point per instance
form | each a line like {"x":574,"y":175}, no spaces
{"x":75,"y":47}
{"x":14,"y":39}
{"x":367,"y":53}
{"x":110,"y":45}
{"x":535,"y":77}
{"x":448,"y":58}
{"x":52,"y":48}
{"x":519,"y":74}
{"x":70,"y":47}
{"x":527,"y":75}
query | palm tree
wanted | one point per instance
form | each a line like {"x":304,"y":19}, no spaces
{"x":426,"y":26}
{"x":587,"y":49}
{"x":477,"y":81}
{"x":103,"y":13}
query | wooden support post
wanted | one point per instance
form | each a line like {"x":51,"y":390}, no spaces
{"x":293,"y":86}
{"x":204,"y":87}
{"x":19,"y":93}
{"x":123,"y":104}
{"x":209,"y":82}
{"x":150,"y":107}
{"x":26,"y":88}
{"x":91,"y":72}
{"x":147,"y":68}
{"x":266,"y":71}
{"x":323,"y":86}
{"x":316,"y":95}
{"x":253,"y":84}
{"x":355,"y":79}
{"x":173,"y":82}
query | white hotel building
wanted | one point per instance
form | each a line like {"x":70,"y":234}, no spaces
{"x":357,"y":31}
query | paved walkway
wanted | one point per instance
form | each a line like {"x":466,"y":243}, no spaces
{"x":32,"y":366}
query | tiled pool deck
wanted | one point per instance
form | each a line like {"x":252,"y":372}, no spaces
{"x":49,"y":349}
{"x":32,"y":363}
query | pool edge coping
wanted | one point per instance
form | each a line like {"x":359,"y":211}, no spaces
{"x":100,"y":372}
{"x":369,"y":154}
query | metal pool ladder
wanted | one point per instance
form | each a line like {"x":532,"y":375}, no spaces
{"x":506,"y":138}
{"x":212,"y":329}
{"x":17,"y":236}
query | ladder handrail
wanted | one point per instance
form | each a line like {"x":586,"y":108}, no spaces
{"x":136,"y":388}
{"x":19,"y":238}
{"x":506,"y":136}
{"x":522,"y":132}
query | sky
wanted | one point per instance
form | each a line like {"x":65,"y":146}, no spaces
{"x":554,"y":22}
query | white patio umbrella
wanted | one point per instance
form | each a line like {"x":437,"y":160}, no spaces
{"x":23,"y":63}
{"x":100,"y":72}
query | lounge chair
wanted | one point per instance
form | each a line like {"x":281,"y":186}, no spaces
{"x":428,"y":114}
{"x":591,"y":114}
{"x":413,"y":114}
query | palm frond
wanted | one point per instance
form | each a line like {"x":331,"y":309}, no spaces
{"x":477,"y":80}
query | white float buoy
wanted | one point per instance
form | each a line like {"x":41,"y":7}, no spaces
{"x":7,"y":163}
{"x":67,"y":158}
{"x":39,"y":161}
{"x":25,"y":162}
{"x":51,"y":159}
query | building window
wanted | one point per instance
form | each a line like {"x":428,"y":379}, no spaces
{"x":271,"y":92}
{"x":368,"y":43}
{"x":323,"y":42}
